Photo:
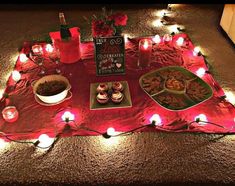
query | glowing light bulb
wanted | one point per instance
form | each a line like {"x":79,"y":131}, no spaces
{"x":49,"y":48}
{"x":156,"y":119}
{"x":201,"y":117}
{"x":16,"y":75}
{"x":111,"y":131}
{"x":201,"y":72}
{"x":162,"y":13}
{"x":157,"y":23}
{"x":196,"y":51}
{"x":1,"y":93}
{"x":180,"y":41}
{"x":230,"y":97}
{"x":45,"y":141}
{"x":174,"y":28}
{"x":23,"y":58}
{"x":2,"y":143}
{"x":68,"y":116}
{"x":146,"y":45}
{"x":157,"y":39}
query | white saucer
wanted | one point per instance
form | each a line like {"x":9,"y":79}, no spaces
{"x":69,"y":95}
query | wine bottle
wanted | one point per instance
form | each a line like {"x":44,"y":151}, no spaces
{"x":64,"y":29}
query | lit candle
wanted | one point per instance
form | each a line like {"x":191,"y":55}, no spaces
{"x":180,"y":41}
{"x":157,"y":39}
{"x":145,"y":52}
{"x":196,"y":51}
{"x":16,"y":75}
{"x":167,"y":38}
{"x":10,"y":114}
{"x":37,"y":49}
{"x":49,"y":48}
{"x":201,"y":72}
{"x":23,"y":58}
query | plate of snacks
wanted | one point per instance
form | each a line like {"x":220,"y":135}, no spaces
{"x":107,"y":95}
{"x":175,"y":88}
{"x":51,"y":89}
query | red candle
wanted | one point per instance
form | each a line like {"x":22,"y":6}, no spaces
{"x":145,"y":52}
{"x":10,"y":114}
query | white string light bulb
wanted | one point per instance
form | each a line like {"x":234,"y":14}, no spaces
{"x":111,"y":131}
{"x":2,"y":143}
{"x":201,"y":72}
{"x":196,"y":50}
{"x":45,"y":141}
{"x":180,"y":41}
{"x":68,"y":116}
{"x":157,"y":39}
{"x":201,"y":117}
{"x":23,"y":58}
{"x":230,"y":97}
{"x":156,"y":119}
{"x":16,"y":76}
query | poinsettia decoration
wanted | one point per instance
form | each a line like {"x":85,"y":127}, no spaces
{"x":108,"y":24}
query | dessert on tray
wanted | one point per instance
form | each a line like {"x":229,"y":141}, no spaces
{"x":117,"y":86}
{"x":117,"y":97}
{"x":102,"y":87}
{"x":102,"y":97}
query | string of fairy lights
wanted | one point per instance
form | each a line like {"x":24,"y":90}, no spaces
{"x":45,"y":142}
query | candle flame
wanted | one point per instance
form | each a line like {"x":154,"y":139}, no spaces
{"x":145,"y":44}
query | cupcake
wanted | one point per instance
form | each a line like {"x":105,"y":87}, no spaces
{"x":103,"y":87}
{"x":117,"y":97}
{"x":102,"y":97}
{"x":117,"y":86}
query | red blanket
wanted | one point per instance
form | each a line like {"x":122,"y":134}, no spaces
{"x":35,"y":119}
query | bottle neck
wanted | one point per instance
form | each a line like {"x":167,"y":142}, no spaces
{"x":62,"y":19}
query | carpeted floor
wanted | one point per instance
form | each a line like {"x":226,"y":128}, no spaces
{"x":137,"y":159}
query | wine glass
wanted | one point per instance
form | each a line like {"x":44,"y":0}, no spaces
{"x":37,"y":57}
{"x":55,"y":57}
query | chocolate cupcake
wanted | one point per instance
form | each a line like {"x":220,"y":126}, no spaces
{"x":102,"y":97}
{"x":102,"y":87}
{"x":117,"y":97}
{"x":117,"y":86}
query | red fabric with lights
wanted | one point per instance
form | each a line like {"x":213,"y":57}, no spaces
{"x":35,"y":119}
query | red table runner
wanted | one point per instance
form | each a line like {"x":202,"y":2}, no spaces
{"x":35,"y":119}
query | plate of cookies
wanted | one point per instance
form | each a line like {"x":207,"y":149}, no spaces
{"x":108,"y":95}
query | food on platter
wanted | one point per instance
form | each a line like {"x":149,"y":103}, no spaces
{"x":117,"y":97}
{"x":50,"y":88}
{"x":153,"y":84}
{"x":196,"y":91}
{"x":175,"y":84}
{"x":175,"y":88}
{"x":102,"y":97}
{"x":171,"y":100}
{"x":102,"y":87}
{"x":173,"y":73}
{"x":117,"y":86}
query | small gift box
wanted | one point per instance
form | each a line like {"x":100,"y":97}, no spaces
{"x":70,"y":49}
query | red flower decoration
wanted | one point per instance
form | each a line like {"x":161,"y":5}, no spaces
{"x":101,"y":29}
{"x":119,"y":19}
